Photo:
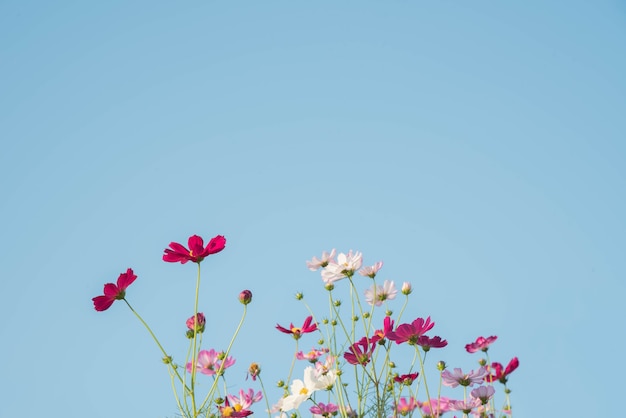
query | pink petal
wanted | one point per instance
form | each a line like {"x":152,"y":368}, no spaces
{"x":216,"y":244}
{"x":102,"y":303}
{"x":126,"y":279}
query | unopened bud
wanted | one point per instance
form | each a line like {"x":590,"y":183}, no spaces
{"x":299,"y":295}
{"x":167,"y":359}
{"x":245,"y":297}
{"x":406,"y":288}
{"x":441,"y":366}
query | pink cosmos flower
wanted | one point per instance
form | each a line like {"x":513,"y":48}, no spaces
{"x":481,"y":344}
{"x":427,"y":343}
{"x":406,"y":379}
{"x":411,"y":332}
{"x":436,"y":407}
{"x":501,"y":374}
{"x":360,"y":352}
{"x":227,"y":411}
{"x":316,"y":263}
{"x":345,"y":266}
{"x":406,"y":288}
{"x":325,"y":410}
{"x":245,"y":399}
{"x":376,"y":295}
{"x":312,"y":355}
{"x":371,"y":271}
{"x":404,"y":407}
{"x":466,"y":406}
{"x":113,"y":292}
{"x":484,"y":393}
{"x":297,"y":332}
{"x":211,"y":362}
{"x":457,"y":377}
{"x":196,"y":252}
{"x":324,"y":368}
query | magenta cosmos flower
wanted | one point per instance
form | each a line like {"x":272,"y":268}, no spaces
{"x":196,"y":252}
{"x":297,"y":332}
{"x":481,"y":344}
{"x":325,"y":410}
{"x":360,"y":352}
{"x":113,"y":292}
{"x":405,"y":407}
{"x":427,"y":343}
{"x":411,"y":332}
{"x":501,"y":373}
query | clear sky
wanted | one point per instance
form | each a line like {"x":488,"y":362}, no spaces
{"x":477,"y":148}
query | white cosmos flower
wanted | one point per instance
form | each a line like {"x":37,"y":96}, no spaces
{"x":378,"y":294}
{"x":301,"y":390}
{"x":345,"y":266}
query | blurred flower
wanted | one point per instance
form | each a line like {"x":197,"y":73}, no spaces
{"x":297,"y":332}
{"x":197,"y":326}
{"x":113,"y":292}
{"x":312,"y":355}
{"x":380,"y":334}
{"x":254,"y":370}
{"x":457,"y":377}
{"x":325,"y":410}
{"x":245,"y":399}
{"x":227,"y":411}
{"x":411,"y":332}
{"x":345,"y":266}
{"x":371,"y":271}
{"x":377,"y":294}
{"x":481,"y":344}
{"x":315,"y":264}
{"x":245,"y":297}
{"x":484,"y":393}
{"x":406,"y":379}
{"x":435,"y":407}
{"x":196,"y":252}
{"x":466,"y":406}
{"x":501,"y":374}
{"x":209,"y":362}
{"x":404,"y":407}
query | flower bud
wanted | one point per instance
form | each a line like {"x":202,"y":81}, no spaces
{"x":167,"y":359}
{"x":366,"y":315}
{"x":196,"y":324}
{"x":219,"y":401}
{"x":329,"y":287}
{"x":482,"y":362}
{"x":189,"y":334}
{"x":441,"y":366}
{"x":406,"y":288}
{"x":245,"y":297}
{"x":299,"y":295}
{"x":320,"y":341}
{"x":337,"y":303}
{"x":280,"y":383}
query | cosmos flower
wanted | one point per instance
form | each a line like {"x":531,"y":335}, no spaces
{"x":371,"y":271}
{"x":297,"y":332}
{"x":377,"y":294}
{"x":501,"y":374}
{"x":210,"y":362}
{"x":113,"y":292}
{"x":360,"y":352}
{"x":427,"y":343}
{"x":481,"y":344}
{"x":411,"y":332}
{"x":404,"y":407}
{"x":196,"y":252}
{"x":312,"y":355}
{"x":316,"y":263}
{"x":457,"y":377}
{"x":345,"y":266}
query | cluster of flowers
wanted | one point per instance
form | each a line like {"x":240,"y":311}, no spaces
{"x":351,"y":373}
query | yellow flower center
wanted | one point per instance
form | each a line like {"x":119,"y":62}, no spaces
{"x":304,"y":391}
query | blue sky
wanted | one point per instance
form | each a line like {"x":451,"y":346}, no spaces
{"x":477,"y":148}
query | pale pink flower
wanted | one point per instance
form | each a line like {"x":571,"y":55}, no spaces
{"x":371,"y":271}
{"x":245,"y":399}
{"x":326,"y":366}
{"x":484,"y":393}
{"x":457,"y":377}
{"x":316,"y":263}
{"x":211,"y":362}
{"x":466,"y":406}
{"x":312,"y":355}
{"x":377,"y":294}
{"x":345,"y":266}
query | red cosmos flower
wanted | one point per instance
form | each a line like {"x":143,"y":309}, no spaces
{"x":481,"y":344}
{"x":114,"y":292}
{"x":196,"y":252}
{"x":406,"y":379}
{"x":411,"y":332}
{"x":360,"y":352}
{"x":427,"y":343}
{"x":501,"y":373}
{"x":297,"y":332}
